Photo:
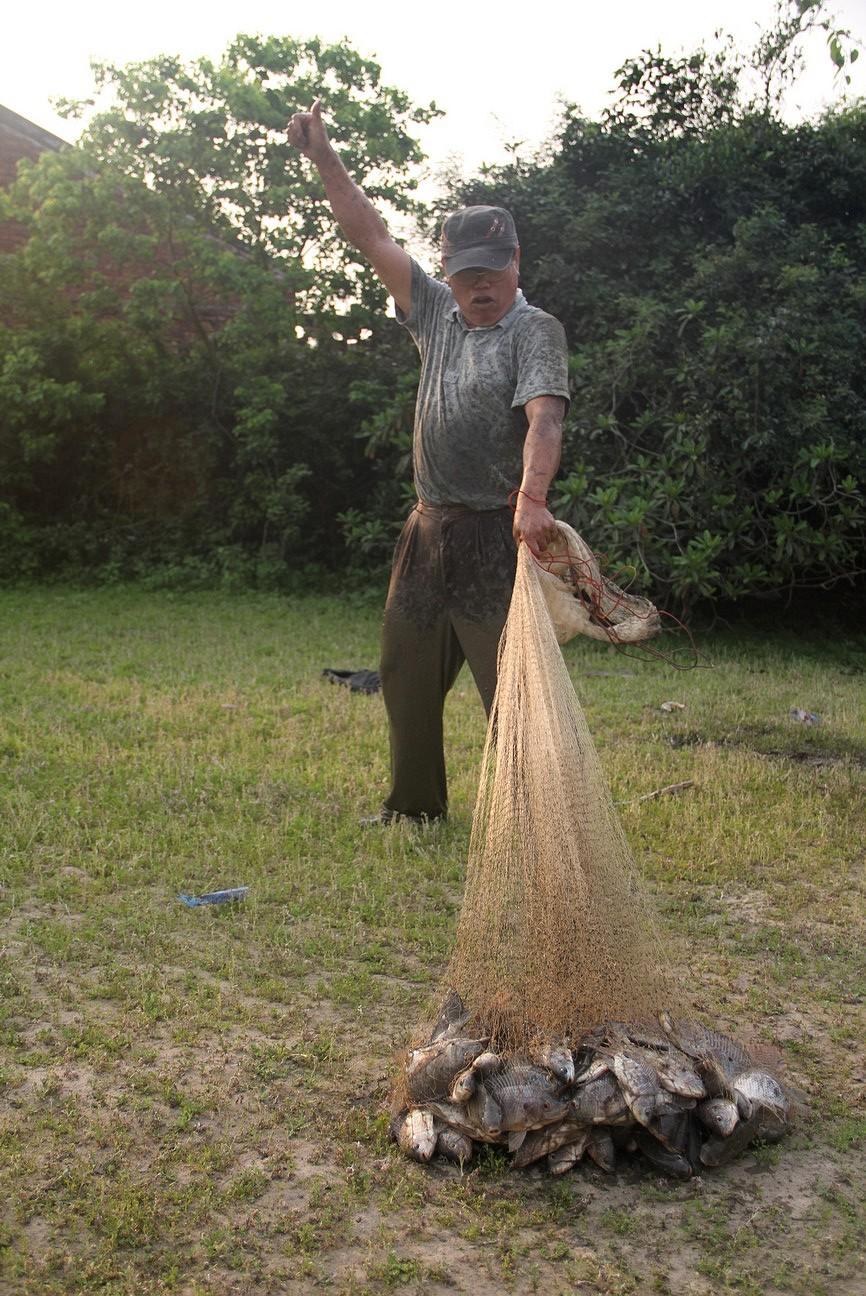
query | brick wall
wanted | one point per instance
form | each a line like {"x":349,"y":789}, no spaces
{"x":19,"y":138}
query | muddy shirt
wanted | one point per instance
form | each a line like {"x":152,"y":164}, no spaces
{"x":470,"y":423}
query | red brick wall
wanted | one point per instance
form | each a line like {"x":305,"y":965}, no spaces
{"x":19,"y":138}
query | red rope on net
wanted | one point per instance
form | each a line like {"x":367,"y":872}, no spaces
{"x":592,"y":599}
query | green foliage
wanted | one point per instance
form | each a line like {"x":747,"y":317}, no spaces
{"x":198,"y":383}
{"x":707,"y":262}
{"x":176,"y":359}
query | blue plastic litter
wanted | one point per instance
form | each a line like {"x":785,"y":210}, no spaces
{"x":213,"y":897}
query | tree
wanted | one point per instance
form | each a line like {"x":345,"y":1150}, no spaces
{"x":707,"y":262}
{"x":178,"y":344}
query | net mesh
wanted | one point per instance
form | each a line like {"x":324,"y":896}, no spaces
{"x":556,"y":932}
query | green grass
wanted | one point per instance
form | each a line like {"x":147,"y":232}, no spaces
{"x":191,"y":1101}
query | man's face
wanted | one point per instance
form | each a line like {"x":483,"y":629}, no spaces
{"x":484,"y":296}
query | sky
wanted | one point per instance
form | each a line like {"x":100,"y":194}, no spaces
{"x":497,"y":81}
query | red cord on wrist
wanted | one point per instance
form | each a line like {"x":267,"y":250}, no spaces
{"x":518,"y":491}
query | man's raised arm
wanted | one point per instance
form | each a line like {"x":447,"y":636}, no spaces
{"x":355,"y":214}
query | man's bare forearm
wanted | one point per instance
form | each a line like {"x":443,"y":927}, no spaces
{"x":355,"y":214}
{"x":533,"y":521}
{"x":542,"y":449}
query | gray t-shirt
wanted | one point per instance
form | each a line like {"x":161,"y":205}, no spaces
{"x":470,"y":423}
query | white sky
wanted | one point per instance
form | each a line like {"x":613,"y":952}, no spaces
{"x":497,"y":81}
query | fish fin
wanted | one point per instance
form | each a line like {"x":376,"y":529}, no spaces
{"x":515,"y":1139}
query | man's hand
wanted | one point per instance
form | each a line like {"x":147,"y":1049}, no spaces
{"x":534,"y":524}
{"x":307,"y":132}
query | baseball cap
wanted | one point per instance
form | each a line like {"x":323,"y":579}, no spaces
{"x":478,"y":238}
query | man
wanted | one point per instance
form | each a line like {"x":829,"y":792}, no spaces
{"x":488,"y":431}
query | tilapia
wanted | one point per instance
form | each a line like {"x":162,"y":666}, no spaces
{"x":454,"y":1146}
{"x":539,"y":1143}
{"x":556,"y":1058}
{"x":768,"y":1100}
{"x":487,"y":1063}
{"x":663,"y":1158}
{"x":430,"y":1071}
{"x":527,"y":1096}
{"x":677,"y":1075}
{"x":485,"y":1112}
{"x":452,"y":1018}
{"x":644,"y":1034}
{"x":719,"y":1151}
{"x":673,"y":1129}
{"x":600,"y":1102}
{"x":759,"y":1087}
{"x":455,"y":1117}
{"x":639,"y":1084}
{"x":563,"y":1158}
{"x":464,"y":1086}
{"x":589,"y":1066}
{"x":416,"y":1134}
{"x":719,"y":1058}
{"x":599,"y":1147}
{"x":604,"y":1035}
{"x":720,"y":1116}
{"x":771,"y":1124}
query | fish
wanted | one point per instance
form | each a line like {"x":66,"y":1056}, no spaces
{"x":772,"y":1123}
{"x":456,"y":1117}
{"x":639,"y":1084}
{"x":563,"y":1158}
{"x":600,"y":1102}
{"x":645,"y":1035}
{"x":719,"y":1151}
{"x":602,"y":1036}
{"x":464,"y":1086}
{"x":430,"y":1071}
{"x":454,"y":1146}
{"x":677,"y":1075}
{"x":397,"y":1118}
{"x":599,"y":1147}
{"x":416,"y":1134}
{"x":719,"y":1057}
{"x":663,"y":1158}
{"x":672,"y":1129}
{"x":485,"y":1112}
{"x":768,"y":1099}
{"x":720,"y":1115}
{"x":671,"y":1103}
{"x":550,"y":1138}
{"x":486,"y":1063}
{"x":452,"y":1018}
{"x":558,"y":1059}
{"x":589,"y":1066}
{"x":527,"y":1097}
{"x":760,"y":1087}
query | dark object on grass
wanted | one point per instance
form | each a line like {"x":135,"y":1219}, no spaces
{"x":213,"y":897}
{"x":358,"y":681}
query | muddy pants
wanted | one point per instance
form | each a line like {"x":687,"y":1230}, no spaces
{"x":447,"y":603}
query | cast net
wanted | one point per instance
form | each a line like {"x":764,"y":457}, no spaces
{"x":559,"y":1031}
{"x":556,"y":932}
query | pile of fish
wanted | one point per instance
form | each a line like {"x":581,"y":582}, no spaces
{"x":683,"y":1096}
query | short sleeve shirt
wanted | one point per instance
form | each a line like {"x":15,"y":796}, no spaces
{"x":470,"y":422}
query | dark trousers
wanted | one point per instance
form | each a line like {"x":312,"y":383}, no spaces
{"x":447,"y":603}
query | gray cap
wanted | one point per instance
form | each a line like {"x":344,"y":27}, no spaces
{"x":478,"y":238}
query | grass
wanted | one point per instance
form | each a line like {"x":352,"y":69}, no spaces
{"x":192,"y":1101}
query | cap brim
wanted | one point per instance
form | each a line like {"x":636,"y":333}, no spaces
{"x":478,"y":258}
